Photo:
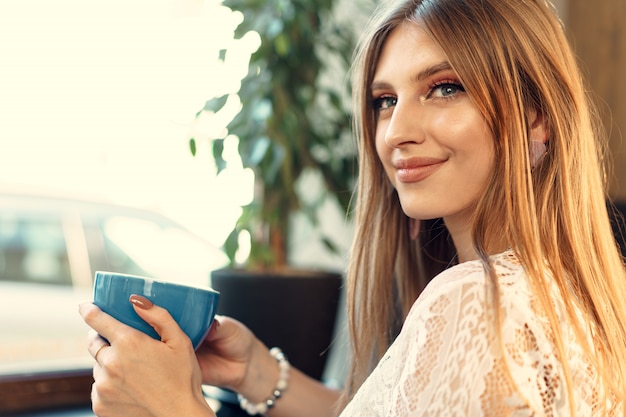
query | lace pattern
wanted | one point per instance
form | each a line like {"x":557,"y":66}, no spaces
{"x":447,"y":362}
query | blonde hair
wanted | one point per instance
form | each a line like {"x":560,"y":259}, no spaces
{"x":512,"y":58}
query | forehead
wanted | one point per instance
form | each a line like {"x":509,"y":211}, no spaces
{"x":408,"y":47}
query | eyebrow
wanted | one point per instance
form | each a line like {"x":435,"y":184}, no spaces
{"x":432,"y":70}
{"x":420,"y":76}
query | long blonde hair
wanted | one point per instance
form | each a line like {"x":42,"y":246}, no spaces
{"x":512,"y":58}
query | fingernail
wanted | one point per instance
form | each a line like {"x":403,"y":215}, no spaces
{"x":82,"y":307}
{"x":215,"y":325}
{"x":140,"y":301}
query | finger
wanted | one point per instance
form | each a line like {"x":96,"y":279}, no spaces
{"x":96,"y":346}
{"x":214,"y":329}
{"x":225,"y":327}
{"x":94,"y":394}
{"x":98,"y":372}
{"x":160,"y":320}
{"x":95,"y":355}
{"x":95,"y":337}
{"x":100,"y":321}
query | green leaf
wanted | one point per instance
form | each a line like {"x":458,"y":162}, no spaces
{"x":330,"y":245}
{"x":231,"y":245}
{"x":281,"y":44}
{"x":278,"y":156}
{"x":218,"y":150}
{"x":192,"y":146}
{"x":216,"y":103}
{"x":258,"y":151}
{"x":274,"y":28}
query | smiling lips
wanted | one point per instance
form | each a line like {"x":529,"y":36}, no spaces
{"x":416,"y":169}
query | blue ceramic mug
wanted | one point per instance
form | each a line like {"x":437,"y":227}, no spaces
{"x":193,"y":308}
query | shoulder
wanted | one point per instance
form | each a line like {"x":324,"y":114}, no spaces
{"x":446,"y":346}
{"x":450,"y":323}
{"x":471,"y":279}
{"x":456,"y":302}
{"x":455,"y":313}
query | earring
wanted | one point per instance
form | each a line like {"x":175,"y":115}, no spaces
{"x":537,"y":150}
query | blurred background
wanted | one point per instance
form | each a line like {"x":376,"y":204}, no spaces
{"x":97,"y":102}
{"x":98,"y":99}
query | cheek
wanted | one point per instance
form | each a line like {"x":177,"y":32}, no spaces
{"x":481,"y":154}
{"x":470,"y":135}
{"x":383,"y":151}
{"x":484,"y":144}
{"x":379,"y":138}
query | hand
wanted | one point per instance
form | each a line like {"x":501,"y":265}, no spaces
{"x":232,"y":357}
{"x":225,"y":354}
{"x":138,"y":376}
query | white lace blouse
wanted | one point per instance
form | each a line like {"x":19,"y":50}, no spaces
{"x":445,"y":362}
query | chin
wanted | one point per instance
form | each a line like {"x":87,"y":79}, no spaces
{"x":422,"y":214}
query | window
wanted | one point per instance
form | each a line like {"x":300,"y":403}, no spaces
{"x":33,"y":250}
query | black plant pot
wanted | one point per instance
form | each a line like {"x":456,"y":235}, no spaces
{"x":294,"y":312}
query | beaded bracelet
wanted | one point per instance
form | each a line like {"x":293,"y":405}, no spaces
{"x":281,"y":386}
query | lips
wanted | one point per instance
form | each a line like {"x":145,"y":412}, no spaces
{"x":416,"y":169}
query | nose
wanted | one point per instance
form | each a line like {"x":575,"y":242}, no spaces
{"x":405,"y":125}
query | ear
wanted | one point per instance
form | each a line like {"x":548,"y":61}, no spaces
{"x":538,"y":128}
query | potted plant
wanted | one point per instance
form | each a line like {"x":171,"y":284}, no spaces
{"x":293,"y":121}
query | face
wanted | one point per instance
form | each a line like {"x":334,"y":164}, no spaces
{"x":434,"y":145}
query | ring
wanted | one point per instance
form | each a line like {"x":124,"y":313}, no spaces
{"x":95,"y":356}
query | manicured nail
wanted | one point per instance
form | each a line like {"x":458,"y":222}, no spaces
{"x":214,"y":326}
{"x":140,"y":301}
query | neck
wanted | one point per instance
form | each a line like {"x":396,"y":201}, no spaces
{"x":460,"y":230}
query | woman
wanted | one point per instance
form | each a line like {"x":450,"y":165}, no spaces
{"x":481,"y":172}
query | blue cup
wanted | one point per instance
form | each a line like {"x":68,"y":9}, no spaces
{"x":193,"y":308}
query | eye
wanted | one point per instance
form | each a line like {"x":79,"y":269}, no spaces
{"x":445,"y":89}
{"x":383,"y":103}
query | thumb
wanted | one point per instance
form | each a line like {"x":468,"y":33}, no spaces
{"x":160,"y":320}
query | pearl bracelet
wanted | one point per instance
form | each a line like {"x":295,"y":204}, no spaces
{"x":281,"y":386}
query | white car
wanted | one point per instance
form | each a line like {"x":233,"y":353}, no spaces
{"x":50,"y":249}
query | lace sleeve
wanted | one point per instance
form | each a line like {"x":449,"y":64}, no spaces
{"x":447,"y":361}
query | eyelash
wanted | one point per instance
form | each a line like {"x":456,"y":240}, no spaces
{"x":446,"y":83}
{"x":378,"y":102}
